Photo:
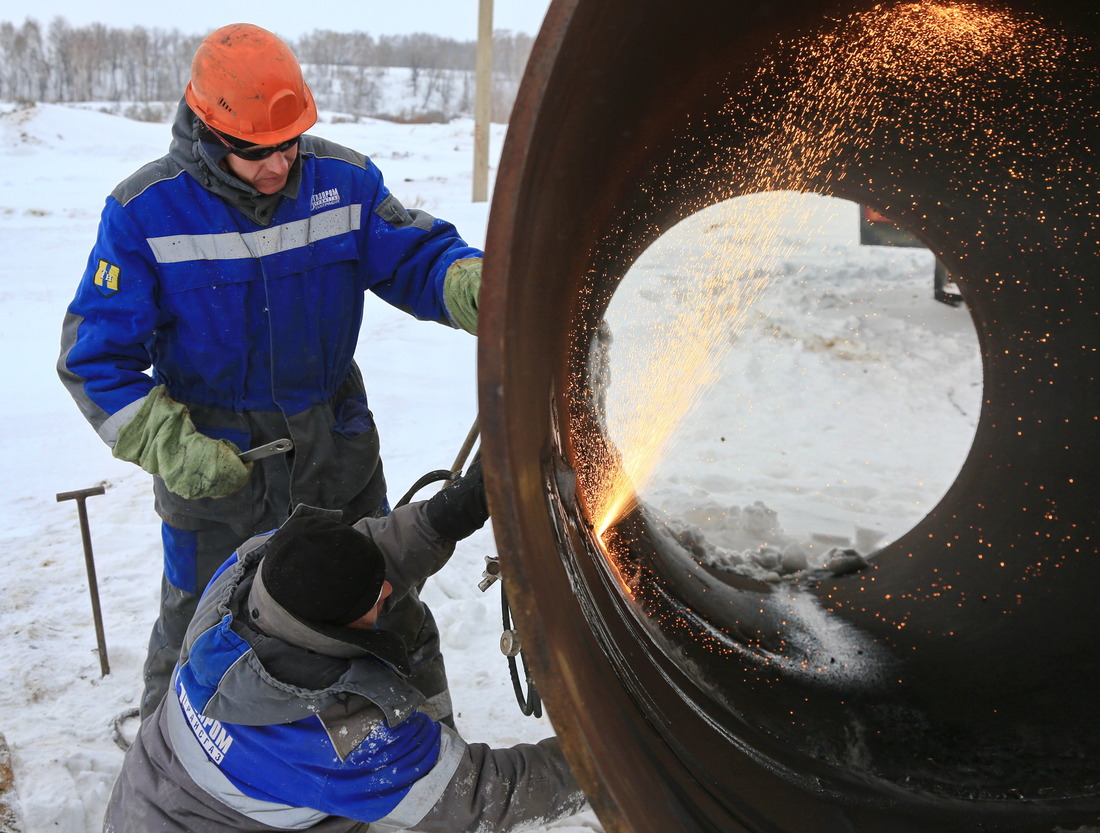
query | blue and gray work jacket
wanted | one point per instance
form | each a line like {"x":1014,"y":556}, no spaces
{"x":248,"y":306}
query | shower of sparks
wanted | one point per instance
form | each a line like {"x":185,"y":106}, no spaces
{"x":840,"y":102}
{"x":678,"y":358}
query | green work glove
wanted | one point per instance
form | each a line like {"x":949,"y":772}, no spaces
{"x":162,"y":439}
{"x":461,"y":286}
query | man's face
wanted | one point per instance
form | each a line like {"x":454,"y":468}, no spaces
{"x":268,"y":176}
{"x":369,"y":619}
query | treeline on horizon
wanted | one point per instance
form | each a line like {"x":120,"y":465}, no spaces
{"x":150,"y":66}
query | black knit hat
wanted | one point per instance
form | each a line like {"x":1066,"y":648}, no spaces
{"x":322,"y":571}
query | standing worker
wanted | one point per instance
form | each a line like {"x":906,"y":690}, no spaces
{"x":235,"y":268}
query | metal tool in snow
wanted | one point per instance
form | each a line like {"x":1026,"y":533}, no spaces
{"x":80,"y":496}
{"x":266,"y":450}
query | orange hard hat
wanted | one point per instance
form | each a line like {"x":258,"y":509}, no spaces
{"x":246,"y":82}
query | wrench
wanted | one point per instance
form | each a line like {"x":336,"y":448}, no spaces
{"x":266,"y":450}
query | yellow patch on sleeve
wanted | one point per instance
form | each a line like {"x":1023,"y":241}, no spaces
{"x":107,"y":277}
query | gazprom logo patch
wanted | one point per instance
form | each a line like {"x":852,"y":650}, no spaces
{"x":107,"y":278}
{"x":209,"y":732}
{"x":324,"y":199}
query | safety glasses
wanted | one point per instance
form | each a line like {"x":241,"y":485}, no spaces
{"x":254,"y":153}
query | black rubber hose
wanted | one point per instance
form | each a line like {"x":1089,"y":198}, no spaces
{"x":425,"y":480}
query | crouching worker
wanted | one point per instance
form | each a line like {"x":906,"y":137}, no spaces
{"x":290,"y":710}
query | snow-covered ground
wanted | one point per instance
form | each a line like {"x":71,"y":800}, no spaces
{"x":841,"y":398}
{"x":843,"y":409}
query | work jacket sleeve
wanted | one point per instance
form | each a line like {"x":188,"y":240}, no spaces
{"x":408,"y":252}
{"x":412,"y":548}
{"x":109,"y":325}
{"x":492,"y":789}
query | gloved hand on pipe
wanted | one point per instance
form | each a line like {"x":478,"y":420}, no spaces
{"x":162,"y":439}
{"x":461,"y":509}
{"x":461,"y":287}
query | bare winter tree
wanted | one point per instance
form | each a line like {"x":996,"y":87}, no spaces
{"x":26,"y":67}
{"x":143,"y":66}
{"x":510,"y":53}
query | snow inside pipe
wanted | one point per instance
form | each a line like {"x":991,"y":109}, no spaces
{"x":949,"y":684}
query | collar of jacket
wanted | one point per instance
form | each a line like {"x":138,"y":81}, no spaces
{"x":203,"y":160}
{"x":274,"y":681}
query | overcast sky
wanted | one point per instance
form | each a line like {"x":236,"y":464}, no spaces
{"x":448,"y":18}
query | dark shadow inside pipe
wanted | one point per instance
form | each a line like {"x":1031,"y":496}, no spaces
{"x":950,"y":686}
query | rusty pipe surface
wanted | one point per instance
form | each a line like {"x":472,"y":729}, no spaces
{"x":964,"y":704}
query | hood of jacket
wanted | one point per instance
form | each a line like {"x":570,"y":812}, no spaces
{"x":204,"y":160}
{"x":234,"y":673}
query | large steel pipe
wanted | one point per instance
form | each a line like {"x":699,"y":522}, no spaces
{"x":951,"y":686}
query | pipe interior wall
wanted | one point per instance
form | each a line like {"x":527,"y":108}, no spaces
{"x":974,"y":709}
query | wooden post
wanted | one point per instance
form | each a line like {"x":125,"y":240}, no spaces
{"x":483,"y":99}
